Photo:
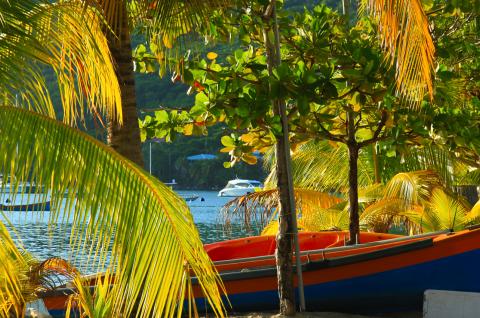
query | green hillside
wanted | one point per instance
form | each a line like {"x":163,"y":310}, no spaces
{"x":169,"y":160}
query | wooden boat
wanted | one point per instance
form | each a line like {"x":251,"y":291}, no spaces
{"x":385,"y":273}
{"x":374,"y":277}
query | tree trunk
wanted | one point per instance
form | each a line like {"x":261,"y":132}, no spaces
{"x":284,"y":253}
{"x":353,"y":179}
{"x":376,"y":166}
{"x":125,"y":138}
{"x":346,"y":10}
{"x":287,"y":216}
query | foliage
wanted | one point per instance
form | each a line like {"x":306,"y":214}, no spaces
{"x":325,"y":81}
{"x":415,"y":202}
{"x":116,"y":208}
{"x":169,"y":161}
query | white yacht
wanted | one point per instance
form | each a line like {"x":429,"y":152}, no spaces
{"x":239,"y":187}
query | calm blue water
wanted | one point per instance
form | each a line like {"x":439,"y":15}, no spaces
{"x":44,"y":242}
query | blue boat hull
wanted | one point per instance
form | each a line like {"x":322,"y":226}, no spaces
{"x":391,"y":291}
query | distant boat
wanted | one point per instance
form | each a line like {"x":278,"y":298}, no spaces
{"x":239,"y":187}
{"x":23,"y":197}
{"x":38,"y":206}
{"x":189,"y":197}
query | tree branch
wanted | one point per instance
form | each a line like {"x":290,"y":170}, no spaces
{"x":329,"y":135}
{"x":377,"y":132}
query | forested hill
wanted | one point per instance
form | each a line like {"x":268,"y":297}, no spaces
{"x":169,"y":161}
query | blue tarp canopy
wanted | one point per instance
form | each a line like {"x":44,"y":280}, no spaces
{"x":202,"y":156}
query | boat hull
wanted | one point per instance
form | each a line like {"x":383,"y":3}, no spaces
{"x":392,"y":282}
{"x":391,"y":291}
{"x":37,"y":206}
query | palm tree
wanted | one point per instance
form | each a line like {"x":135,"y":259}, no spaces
{"x":119,"y":212}
{"x":162,"y":21}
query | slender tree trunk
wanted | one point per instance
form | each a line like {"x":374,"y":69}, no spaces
{"x":376,"y":166}
{"x":346,"y":10}
{"x":287,"y":217}
{"x":284,"y":251}
{"x":353,"y":179}
{"x":125,"y":138}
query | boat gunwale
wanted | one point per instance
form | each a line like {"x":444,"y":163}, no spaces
{"x":334,"y":249}
{"x":327,"y":262}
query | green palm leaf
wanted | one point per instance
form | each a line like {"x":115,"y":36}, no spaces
{"x":113,"y":205}
{"x":37,"y":35}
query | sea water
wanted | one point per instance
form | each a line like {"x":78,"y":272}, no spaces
{"x":44,"y":240}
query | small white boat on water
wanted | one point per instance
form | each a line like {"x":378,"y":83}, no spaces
{"x":239,"y":187}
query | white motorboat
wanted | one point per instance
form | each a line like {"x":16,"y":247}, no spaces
{"x":239,"y":187}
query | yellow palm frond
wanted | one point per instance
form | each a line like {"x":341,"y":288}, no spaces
{"x":444,"y":212}
{"x":387,"y":212}
{"x":120,"y":216}
{"x":316,"y":221}
{"x":321,"y":167}
{"x":473,"y":216}
{"x":405,"y":34}
{"x":39,"y":35}
{"x":414,"y":187}
{"x":12,"y":278}
{"x":324,"y":220}
{"x":371,"y":192}
{"x":440,"y":212}
{"x":271,"y":228}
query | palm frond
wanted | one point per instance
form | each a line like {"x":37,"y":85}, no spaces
{"x":473,"y":216}
{"x":121,"y":217}
{"x":324,"y":220}
{"x":12,"y":277}
{"x":414,"y":187}
{"x":381,"y":215}
{"x":260,"y":208}
{"x":160,"y":18}
{"x":370,"y":193}
{"x":444,"y":212}
{"x":405,"y":34}
{"x":38,"y":35}
{"x":321,"y":167}
{"x":450,"y":170}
